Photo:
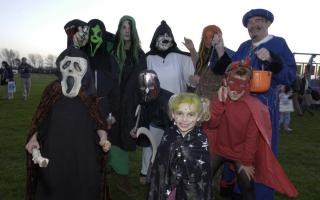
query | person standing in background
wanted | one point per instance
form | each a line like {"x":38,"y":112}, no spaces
{"x":7,"y":80}
{"x":25,"y":74}
{"x":285,"y":107}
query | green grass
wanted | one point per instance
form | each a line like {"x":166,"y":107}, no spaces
{"x":299,"y":152}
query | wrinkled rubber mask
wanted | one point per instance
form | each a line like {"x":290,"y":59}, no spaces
{"x":164,"y":42}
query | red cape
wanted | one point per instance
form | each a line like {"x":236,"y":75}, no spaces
{"x":268,"y":171}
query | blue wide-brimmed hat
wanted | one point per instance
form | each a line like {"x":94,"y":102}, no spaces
{"x":257,"y":12}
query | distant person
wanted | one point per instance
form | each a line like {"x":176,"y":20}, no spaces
{"x":3,"y":75}
{"x":285,"y":107}
{"x":25,"y":74}
{"x":7,"y":79}
{"x":295,"y":95}
{"x":306,"y":95}
{"x":270,"y":53}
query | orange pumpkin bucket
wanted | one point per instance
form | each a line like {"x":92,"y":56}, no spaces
{"x":260,"y":81}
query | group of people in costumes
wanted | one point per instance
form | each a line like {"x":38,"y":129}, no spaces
{"x":103,"y":79}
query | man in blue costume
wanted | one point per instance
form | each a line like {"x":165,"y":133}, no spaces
{"x":273,"y":54}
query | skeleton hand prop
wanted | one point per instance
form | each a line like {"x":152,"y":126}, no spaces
{"x":38,"y":159}
{"x":105,"y":144}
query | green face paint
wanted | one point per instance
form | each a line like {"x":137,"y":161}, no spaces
{"x":95,"y":39}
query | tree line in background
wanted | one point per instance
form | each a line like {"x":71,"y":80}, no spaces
{"x":40,"y":64}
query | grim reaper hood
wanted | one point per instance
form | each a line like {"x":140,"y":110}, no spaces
{"x":161,"y":30}
{"x":74,"y":77}
{"x":99,"y":44}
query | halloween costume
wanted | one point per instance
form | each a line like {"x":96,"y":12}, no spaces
{"x":77,"y":33}
{"x":182,"y":165}
{"x":172,"y":66}
{"x":283,"y":68}
{"x":210,"y":75}
{"x":130,"y":63}
{"x":154,"y":113}
{"x":249,"y":146}
{"x":131,"y":60}
{"x":66,"y":122}
{"x":104,"y":66}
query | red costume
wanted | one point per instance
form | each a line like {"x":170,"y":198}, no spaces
{"x":241,"y":131}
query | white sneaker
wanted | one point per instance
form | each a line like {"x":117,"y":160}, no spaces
{"x":288,"y":130}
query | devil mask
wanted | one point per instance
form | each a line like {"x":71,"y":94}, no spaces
{"x":149,"y":85}
{"x":74,"y":72}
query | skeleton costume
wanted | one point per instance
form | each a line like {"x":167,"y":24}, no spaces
{"x":66,"y":122}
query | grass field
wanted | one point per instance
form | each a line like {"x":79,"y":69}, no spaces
{"x":299,"y":152}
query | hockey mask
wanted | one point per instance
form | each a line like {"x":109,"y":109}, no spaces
{"x":149,"y":85}
{"x":72,"y":70}
{"x":164,"y":42}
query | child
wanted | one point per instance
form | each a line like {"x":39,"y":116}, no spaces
{"x":182,"y":166}
{"x":285,"y":107}
{"x":243,"y":135}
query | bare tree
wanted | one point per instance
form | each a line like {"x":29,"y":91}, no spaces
{"x":40,"y":60}
{"x":9,"y":55}
{"x":36,"y":60}
{"x":50,"y":61}
{"x":32,"y":59}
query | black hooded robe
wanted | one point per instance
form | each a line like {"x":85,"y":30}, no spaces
{"x":182,"y":163}
{"x":69,"y":140}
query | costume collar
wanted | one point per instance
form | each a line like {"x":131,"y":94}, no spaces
{"x":264,"y":40}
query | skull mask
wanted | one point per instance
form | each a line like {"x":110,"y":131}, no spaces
{"x":149,"y":85}
{"x":164,"y":42}
{"x":72,"y":70}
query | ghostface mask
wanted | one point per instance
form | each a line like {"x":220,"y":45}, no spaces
{"x":72,"y":70}
{"x":164,"y":42}
{"x":149,"y":85}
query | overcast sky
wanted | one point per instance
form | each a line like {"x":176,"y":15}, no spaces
{"x":36,"y":26}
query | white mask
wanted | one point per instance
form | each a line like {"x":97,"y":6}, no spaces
{"x":73,"y":70}
{"x":164,"y":42}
